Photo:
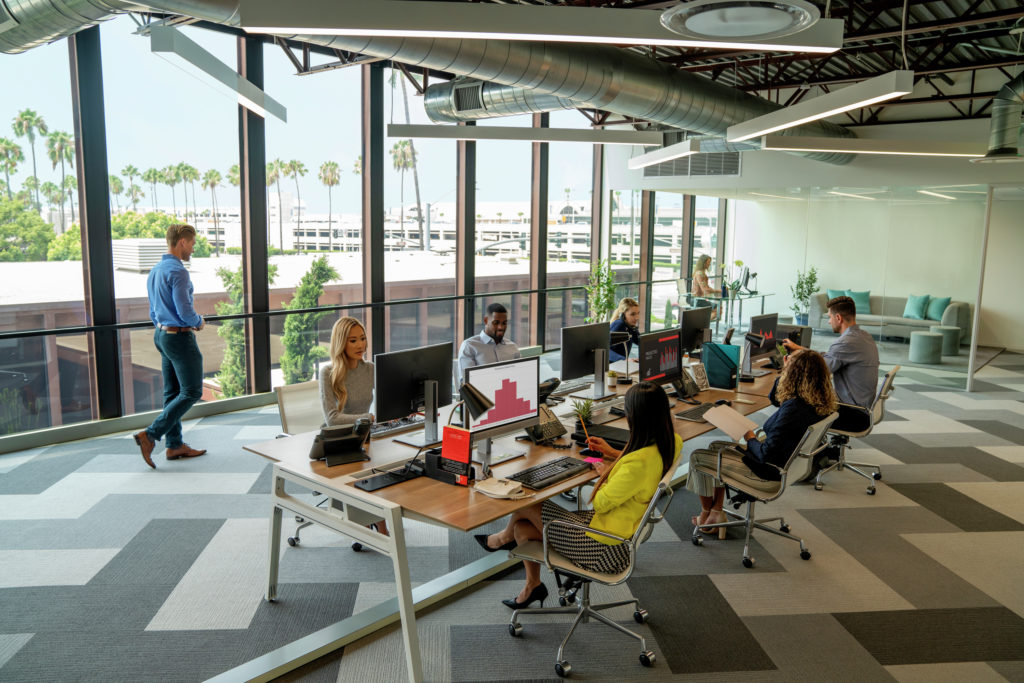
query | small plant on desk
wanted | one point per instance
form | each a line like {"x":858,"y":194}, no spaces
{"x":583,"y":409}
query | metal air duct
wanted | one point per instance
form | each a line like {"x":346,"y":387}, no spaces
{"x":1004,"y":130}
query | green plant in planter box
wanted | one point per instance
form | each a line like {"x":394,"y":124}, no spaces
{"x":601,"y":292}
{"x":583,"y":409}
{"x":805,"y":287}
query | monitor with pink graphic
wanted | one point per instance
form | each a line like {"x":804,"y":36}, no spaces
{"x":512,"y":386}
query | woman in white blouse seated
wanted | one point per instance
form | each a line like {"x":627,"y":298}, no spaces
{"x":346,"y":385}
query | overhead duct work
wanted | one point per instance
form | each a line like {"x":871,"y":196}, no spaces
{"x":1004,"y":131}
{"x":595,"y":76}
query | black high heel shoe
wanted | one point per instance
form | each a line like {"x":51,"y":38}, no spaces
{"x":482,"y":540}
{"x":538,"y":593}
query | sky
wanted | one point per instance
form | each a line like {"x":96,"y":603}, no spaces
{"x":159,"y":113}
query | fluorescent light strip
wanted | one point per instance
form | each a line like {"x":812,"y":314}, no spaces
{"x":855,"y":196}
{"x":927,"y":148}
{"x":776,"y":196}
{"x":874,"y":90}
{"x":658,"y":156}
{"x":519,"y":133}
{"x":935,"y":194}
{"x":431,"y":19}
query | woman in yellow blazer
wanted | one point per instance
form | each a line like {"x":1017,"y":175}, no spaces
{"x":623,"y":491}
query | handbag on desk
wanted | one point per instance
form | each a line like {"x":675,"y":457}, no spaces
{"x":501,"y":488}
{"x":341,"y":444}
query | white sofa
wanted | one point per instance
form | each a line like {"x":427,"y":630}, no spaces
{"x":886,"y":317}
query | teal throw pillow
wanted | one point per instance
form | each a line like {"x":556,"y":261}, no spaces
{"x":916,"y":307}
{"x":833,"y":293}
{"x":861,"y":301}
{"x":937,"y":306}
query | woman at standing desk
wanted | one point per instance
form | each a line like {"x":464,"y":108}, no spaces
{"x":804,"y":395}
{"x":701,"y":285}
{"x":625,"y":319}
{"x":620,"y":498}
{"x":346,"y":385}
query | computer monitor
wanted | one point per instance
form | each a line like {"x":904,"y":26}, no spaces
{"x":659,"y":356}
{"x":693,"y":322}
{"x":585,"y":352}
{"x":512,"y":387}
{"x":764,"y":325}
{"x":745,"y":278}
{"x":407,"y":381}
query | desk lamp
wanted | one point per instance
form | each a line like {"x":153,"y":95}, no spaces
{"x":751,"y":341}
{"x":621,"y":338}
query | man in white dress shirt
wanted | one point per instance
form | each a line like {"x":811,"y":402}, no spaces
{"x":490,"y":346}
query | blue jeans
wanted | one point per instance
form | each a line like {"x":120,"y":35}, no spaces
{"x":183,"y":383}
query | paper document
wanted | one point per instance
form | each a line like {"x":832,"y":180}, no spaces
{"x":730,"y":422}
{"x":619,"y":366}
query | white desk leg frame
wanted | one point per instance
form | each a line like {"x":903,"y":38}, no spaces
{"x":392,"y":546}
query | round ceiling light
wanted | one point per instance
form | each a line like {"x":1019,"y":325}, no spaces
{"x":738,"y":19}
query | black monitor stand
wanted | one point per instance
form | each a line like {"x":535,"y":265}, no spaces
{"x":429,"y":436}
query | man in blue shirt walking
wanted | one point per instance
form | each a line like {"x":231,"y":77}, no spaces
{"x":171,"y":310}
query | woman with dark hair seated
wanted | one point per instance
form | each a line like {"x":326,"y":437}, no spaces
{"x":620,"y":498}
{"x":804,"y":395}
{"x":626,"y":318}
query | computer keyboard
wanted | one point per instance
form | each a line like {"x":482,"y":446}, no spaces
{"x":379,"y":430}
{"x":696,"y":413}
{"x":571,"y":386}
{"x":541,"y":476}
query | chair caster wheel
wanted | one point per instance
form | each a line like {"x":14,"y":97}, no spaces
{"x":647,"y":658}
{"x":563,"y":602}
{"x":784,"y":528}
{"x":641,"y":616}
{"x":818,"y":487}
{"x":805,"y":554}
{"x":563,"y":669}
{"x":357,"y":546}
{"x":697,"y":540}
{"x":871,"y":490}
{"x":748,"y":562}
{"x":293,"y":541}
{"x":515,"y":630}
{"x":877,"y":476}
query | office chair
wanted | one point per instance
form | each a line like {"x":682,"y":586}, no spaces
{"x":753,"y":491}
{"x":841,"y":439}
{"x":577,"y":586}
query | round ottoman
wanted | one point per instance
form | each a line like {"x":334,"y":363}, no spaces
{"x":950,"y":338}
{"x":925,"y":347}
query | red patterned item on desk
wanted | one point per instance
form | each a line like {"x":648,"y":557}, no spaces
{"x":456,"y":446}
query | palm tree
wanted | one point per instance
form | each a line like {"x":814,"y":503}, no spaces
{"x":189,"y":174}
{"x":52,"y":193}
{"x":135,"y":193}
{"x":170,"y":177}
{"x":152,"y":176}
{"x":330,"y":175}
{"x":71,"y":188}
{"x":295,"y":169}
{"x":10,"y":156}
{"x":234,"y":175}
{"x":131,"y":172}
{"x":26,"y":124}
{"x":275,"y":169}
{"x":402,"y":160}
{"x":31,"y":185}
{"x":211,"y":180}
{"x":357,"y":167}
{"x":60,"y":148}
{"x":116,"y":188}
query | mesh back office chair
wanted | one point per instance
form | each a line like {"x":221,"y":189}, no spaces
{"x":579,"y":580}
{"x":841,"y":439}
{"x":753,"y":490}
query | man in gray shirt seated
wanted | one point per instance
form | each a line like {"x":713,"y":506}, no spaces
{"x":853,"y":360}
{"x":490,"y":346}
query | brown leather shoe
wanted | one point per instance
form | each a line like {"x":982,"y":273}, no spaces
{"x":183,"y":451}
{"x":146,"y":444}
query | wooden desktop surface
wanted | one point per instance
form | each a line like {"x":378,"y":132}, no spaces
{"x":761,"y":386}
{"x":460,"y":507}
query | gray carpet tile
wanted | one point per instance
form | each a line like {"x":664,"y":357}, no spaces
{"x":160,"y":553}
{"x":958,"y":509}
{"x":696,"y":628}
{"x":64,"y":610}
{"x":10,"y":643}
{"x":241,"y":418}
{"x":264,"y":481}
{"x":43,"y":471}
{"x":305,"y":563}
{"x":905,"y":450}
{"x":1011,"y":433}
{"x":1011,"y":671}
{"x":322,"y":670}
{"x":874,"y":537}
{"x":938,"y":635}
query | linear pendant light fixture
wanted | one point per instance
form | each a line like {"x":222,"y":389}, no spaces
{"x":676,"y":151}
{"x":926,"y":148}
{"x":885,"y":87}
{"x":433,"y":19}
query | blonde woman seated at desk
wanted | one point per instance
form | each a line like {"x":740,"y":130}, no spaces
{"x":346,"y":385}
{"x":620,"y":498}
{"x":804,"y":395}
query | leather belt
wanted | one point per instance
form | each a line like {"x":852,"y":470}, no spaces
{"x":174,"y":330}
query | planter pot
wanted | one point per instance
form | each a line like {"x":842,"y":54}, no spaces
{"x":801,"y":319}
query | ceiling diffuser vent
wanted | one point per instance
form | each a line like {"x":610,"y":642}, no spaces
{"x":467,"y":98}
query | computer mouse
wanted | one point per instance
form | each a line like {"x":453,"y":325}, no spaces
{"x":723,"y":402}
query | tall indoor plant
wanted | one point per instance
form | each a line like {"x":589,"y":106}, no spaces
{"x":601,"y":292}
{"x":805,"y":287}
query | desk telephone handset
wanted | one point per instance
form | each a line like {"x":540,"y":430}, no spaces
{"x":685,"y":386}
{"x":550,"y":427}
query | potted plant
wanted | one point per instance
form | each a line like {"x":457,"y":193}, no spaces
{"x":806,"y":286}
{"x":601,"y":292}
{"x":583,"y":409}
{"x":612,"y":378}
{"x":731,"y":285}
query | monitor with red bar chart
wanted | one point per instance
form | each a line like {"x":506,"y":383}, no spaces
{"x":764,"y":325}
{"x":659,"y":356}
{"x":512,"y":386}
